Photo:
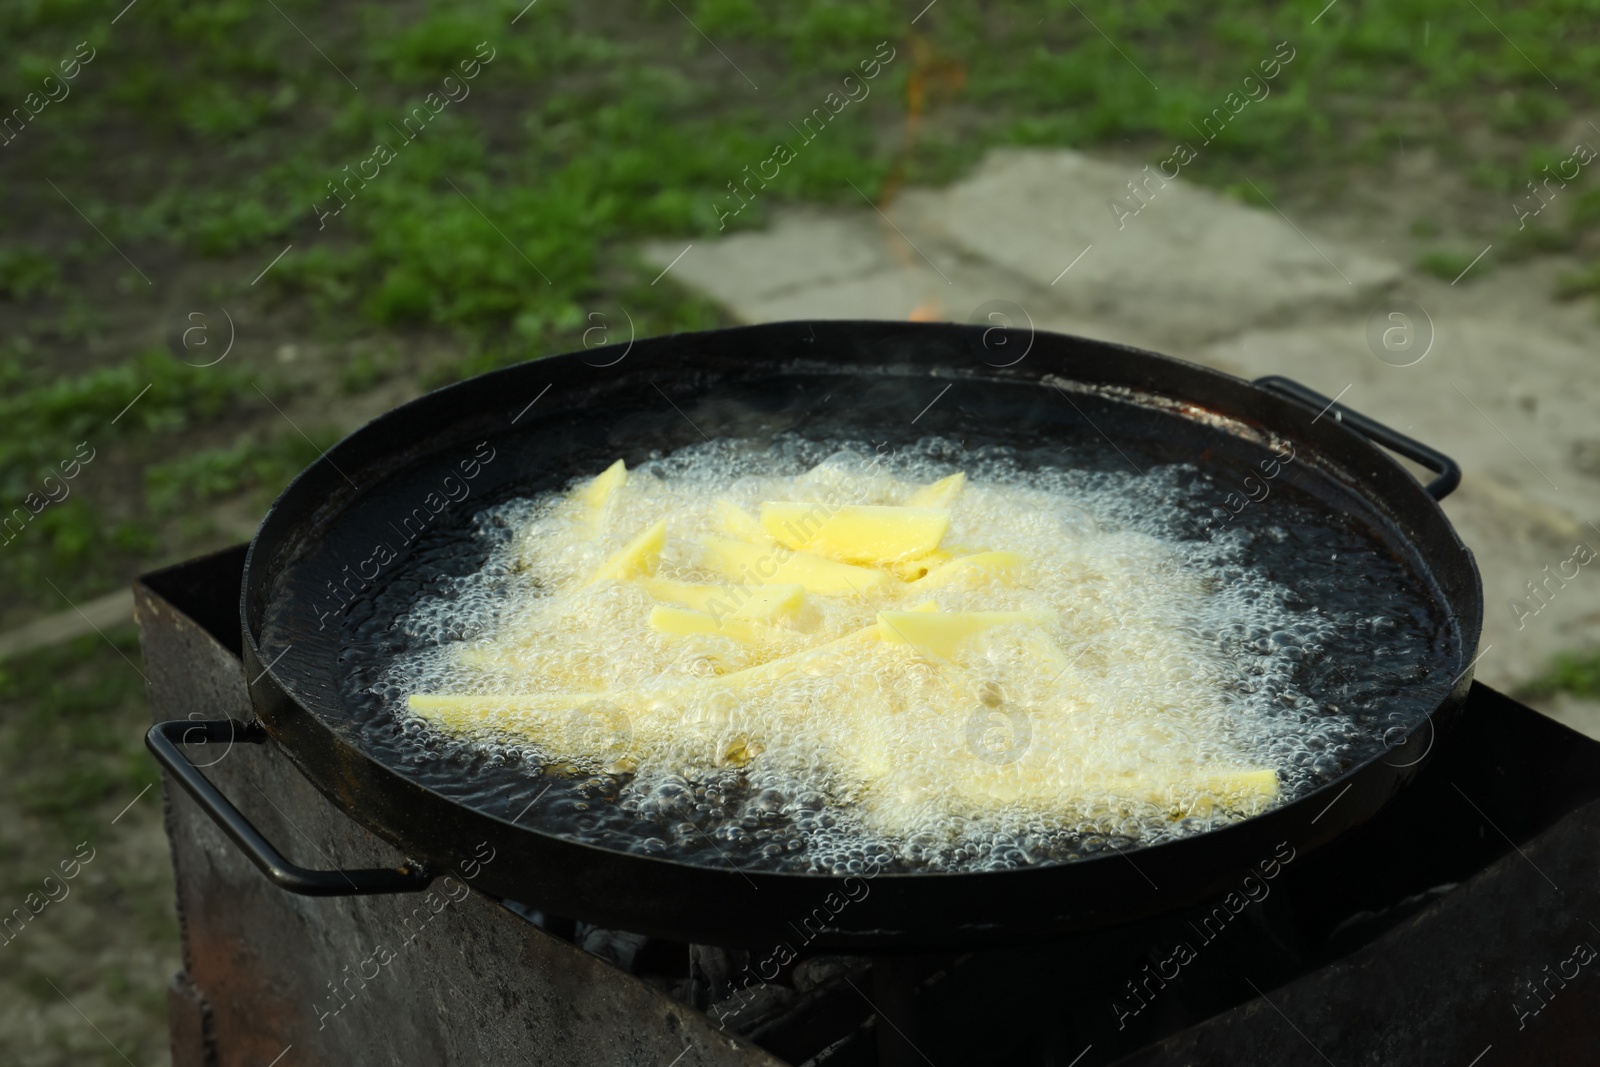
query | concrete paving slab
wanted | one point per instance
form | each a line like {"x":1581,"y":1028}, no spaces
{"x":1191,"y":265}
{"x":113,"y":609}
{"x":854,"y":264}
{"x":1203,"y":264}
{"x":801,"y":250}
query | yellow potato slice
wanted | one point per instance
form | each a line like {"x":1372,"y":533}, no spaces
{"x":1047,"y":655}
{"x":1182,"y":792}
{"x":594,"y":495}
{"x":638,"y":557}
{"x":911,"y":570}
{"x":820,"y":661}
{"x":698,"y":595}
{"x":482,"y":706}
{"x":769,"y":603}
{"x":940,"y":493}
{"x":1191,"y":791}
{"x":975,"y":570}
{"x":566,"y":722}
{"x":1247,"y":790}
{"x":856,"y":533}
{"x":772,"y":604}
{"x":584,"y":728}
{"x":737,"y":522}
{"x":765,"y":564}
{"x":683,"y":621}
{"x":940,"y":633}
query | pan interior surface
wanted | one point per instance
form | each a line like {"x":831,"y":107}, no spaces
{"x":1341,"y":639}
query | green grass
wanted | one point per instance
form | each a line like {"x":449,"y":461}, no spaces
{"x":1585,"y":282}
{"x":508,"y":222}
{"x":249,"y":465}
{"x":72,"y":740}
{"x":73,"y":760}
{"x":1450,"y":265}
{"x":62,"y":433}
{"x":1536,"y":240}
{"x":598,"y":155}
{"x":26,"y":272}
{"x":1577,"y":673}
{"x":44,"y":417}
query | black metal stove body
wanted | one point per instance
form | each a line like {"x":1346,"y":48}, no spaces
{"x":1459,"y":927}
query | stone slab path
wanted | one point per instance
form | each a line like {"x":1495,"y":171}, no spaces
{"x":1494,"y":373}
{"x":92,"y":616}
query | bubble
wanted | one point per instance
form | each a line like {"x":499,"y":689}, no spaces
{"x":999,"y":735}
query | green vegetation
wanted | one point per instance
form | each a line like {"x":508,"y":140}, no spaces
{"x":1577,"y":673}
{"x":63,"y":437}
{"x":46,"y":417}
{"x":1585,"y":282}
{"x":71,"y":745}
{"x":67,"y":743}
{"x":505,"y":220}
{"x":1449,"y":265}
{"x":526,"y":151}
{"x":25,"y":273}
{"x":248,"y":465}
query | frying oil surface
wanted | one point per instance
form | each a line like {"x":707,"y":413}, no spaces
{"x":1148,"y":684}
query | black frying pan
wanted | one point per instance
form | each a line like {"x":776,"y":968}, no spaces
{"x":549,"y":420}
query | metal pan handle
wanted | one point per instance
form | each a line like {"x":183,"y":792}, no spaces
{"x":163,"y":741}
{"x":1449,"y":473}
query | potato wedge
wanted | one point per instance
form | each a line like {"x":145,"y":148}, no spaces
{"x":856,"y":533}
{"x":940,"y":633}
{"x":775,"y":564}
{"x":638,"y":557}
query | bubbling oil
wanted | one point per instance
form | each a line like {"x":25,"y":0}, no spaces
{"x":1169,"y":660}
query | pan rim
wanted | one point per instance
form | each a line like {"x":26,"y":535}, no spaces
{"x":1468,"y":625}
